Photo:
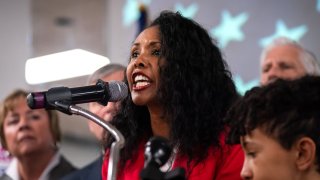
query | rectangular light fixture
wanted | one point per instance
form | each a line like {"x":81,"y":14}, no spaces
{"x":63,"y":65}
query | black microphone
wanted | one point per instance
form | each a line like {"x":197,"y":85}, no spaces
{"x":157,"y":152}
{"x":102,"y":92}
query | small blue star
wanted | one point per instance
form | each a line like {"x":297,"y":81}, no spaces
{"x":188,"y":12}
{"x":318,"y":5}
{"x":130,"y":11}
{"x":229,"y":28}
{"x":282,"y":30}
{"x":242,"y":87}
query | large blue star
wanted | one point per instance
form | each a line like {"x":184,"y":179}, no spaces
{"x":130,"y":11}
{"x":188,"y":12}
{"x":318,"y":5}
{"x":282,"y":30}
{"x":229,"y":28}
{"x":243,"y":87}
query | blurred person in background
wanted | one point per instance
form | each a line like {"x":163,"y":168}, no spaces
{"x":286,"y":59}
{"x":110,"y":72}
{"x":31,"y":137}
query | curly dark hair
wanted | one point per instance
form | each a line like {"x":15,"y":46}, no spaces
{"x":196,"y":90}
{"x":283,"y":110}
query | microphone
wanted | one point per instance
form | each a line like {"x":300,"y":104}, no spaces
{"x":157,"y":153}
{"x":102,"y":92}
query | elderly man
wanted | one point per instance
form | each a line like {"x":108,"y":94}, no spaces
{"x":286,"y":59}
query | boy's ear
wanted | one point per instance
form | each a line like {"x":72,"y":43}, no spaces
{"x":306,"y":153}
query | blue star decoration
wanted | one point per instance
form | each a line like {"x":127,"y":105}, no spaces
{"x":130,"y":11}
{"x":242,"y":87}
{"x":282,"y":30}
{"x":188,"y":12}
{"x":229,"y":28}
{"x":318,"y":5}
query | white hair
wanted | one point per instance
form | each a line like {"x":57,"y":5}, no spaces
{"x":104,"y":71}
{"x":307,"y":58}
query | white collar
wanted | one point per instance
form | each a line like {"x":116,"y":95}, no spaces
{"x":12,"y":170}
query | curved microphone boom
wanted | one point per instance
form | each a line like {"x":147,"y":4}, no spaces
{"x":102,"y":92}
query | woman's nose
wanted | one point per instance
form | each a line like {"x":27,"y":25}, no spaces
{"x":23,"y":123}
{"x":140,"y":61}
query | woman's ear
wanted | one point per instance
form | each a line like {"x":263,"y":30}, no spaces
{"x":306,"y":153}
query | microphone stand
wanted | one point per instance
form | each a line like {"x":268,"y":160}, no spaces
{"x":116,"y":146}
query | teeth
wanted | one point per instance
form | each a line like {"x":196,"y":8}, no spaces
{"x":140,"y":78}
{"x":140,"y":84}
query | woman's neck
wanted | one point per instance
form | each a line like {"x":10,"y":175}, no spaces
{"x":159,"y":125}
{"x":32,"y":166}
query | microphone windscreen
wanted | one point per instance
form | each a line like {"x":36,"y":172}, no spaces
{"x":36,"y":100}
{"x":117,"y":90}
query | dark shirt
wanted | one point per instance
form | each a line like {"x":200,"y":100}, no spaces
{"x":91,"y":171}
{"x":63,"y":168}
